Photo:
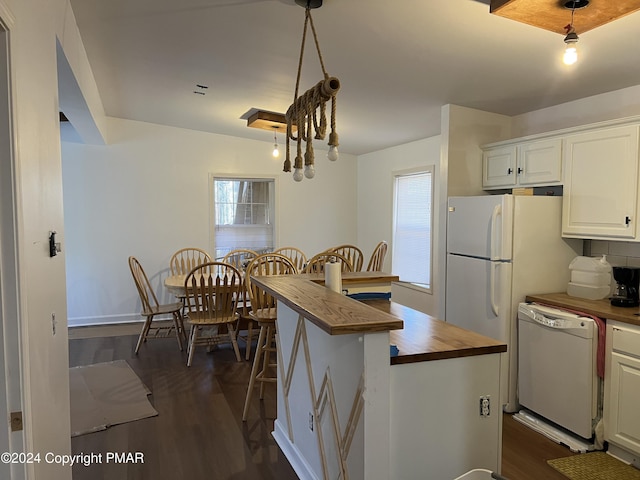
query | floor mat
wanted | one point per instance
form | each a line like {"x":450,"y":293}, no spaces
{"x":594,"y":466}
{"x":106,"y":394}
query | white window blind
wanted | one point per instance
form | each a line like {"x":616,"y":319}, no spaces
{"x":243,"y":214}
{"x":411,"y":257}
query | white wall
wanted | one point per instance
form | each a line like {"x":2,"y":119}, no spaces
{"x":146,"y":194}
{"x":598,"y":108}
{"x":35,"y":28}
{"x":607,"y":106}
{"x":464,"y":130}
{"x":375,"y":205}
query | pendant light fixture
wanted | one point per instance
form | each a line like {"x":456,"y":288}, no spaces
{"x":307,"y":113}
{"x":276,"y":151}
{"x":571,"y":39}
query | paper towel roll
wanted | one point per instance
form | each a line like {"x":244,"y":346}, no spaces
{"x":333,"y":276}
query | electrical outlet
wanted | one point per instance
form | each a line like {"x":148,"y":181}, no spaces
{"x":311,"y":421}
{"x":485,"y":406}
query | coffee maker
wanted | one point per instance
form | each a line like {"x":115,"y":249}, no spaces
{"x":626,"y":289}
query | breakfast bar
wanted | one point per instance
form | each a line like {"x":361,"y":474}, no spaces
{"x":349,"y":408}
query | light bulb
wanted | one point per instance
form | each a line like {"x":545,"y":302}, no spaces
{"x":571,"y":51}
{"x":333,"y":153}
{"x":276,"y":152}
{"x":309,"y":171}
{"x":297,"y":174}
{"x":570,"y":54}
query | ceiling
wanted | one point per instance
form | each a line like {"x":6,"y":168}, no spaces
{"x":398,"y":62}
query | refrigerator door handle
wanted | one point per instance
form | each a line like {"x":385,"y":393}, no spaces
{"x":497,"y":211}
{"x":492,"y":288}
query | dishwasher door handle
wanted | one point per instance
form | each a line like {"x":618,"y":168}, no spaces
{"x":581,"y":327}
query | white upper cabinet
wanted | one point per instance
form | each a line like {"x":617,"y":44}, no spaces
{"x":525,"y":164}
{"x":600,"y":198}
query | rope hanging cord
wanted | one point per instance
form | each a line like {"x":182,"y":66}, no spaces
{"x":303,"y":112}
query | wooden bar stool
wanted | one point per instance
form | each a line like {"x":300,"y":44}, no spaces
{"x":264,"y":369}
{"x":264,"y":313}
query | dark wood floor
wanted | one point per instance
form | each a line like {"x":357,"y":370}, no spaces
{"x":199,"y":433}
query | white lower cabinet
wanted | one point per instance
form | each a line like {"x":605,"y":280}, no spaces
{"x":622,"y":390}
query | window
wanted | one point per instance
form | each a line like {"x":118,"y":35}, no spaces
{"x":412,"y":218}
{"x":243,"y":214}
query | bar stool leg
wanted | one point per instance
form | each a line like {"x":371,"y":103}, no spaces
{"x":266,"y":364}
{"x":254,"y":370}
{"x":247,"y":351}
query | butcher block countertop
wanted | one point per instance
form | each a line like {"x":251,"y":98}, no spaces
{"x":354,"y":277}
{"x":425,"y":338}
{"x":419,"y":337}
{"x":599,"y":308}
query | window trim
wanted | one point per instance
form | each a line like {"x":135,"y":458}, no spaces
{"x":233,"y":176}
{"x":407,"y":172}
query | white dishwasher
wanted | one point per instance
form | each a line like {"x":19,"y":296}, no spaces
{"x":557,"y":375}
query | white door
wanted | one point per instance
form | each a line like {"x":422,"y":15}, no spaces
{"x":540,"y":162}
{"x":601,"y":184}
{"x":624,"y":427}
{"x":499,"y":167}
{"x":480,"y":226}
{"x":11,"y":439}
{"x":478,"y":296}
{"x":621,"y":419}
{"x":559,"y":390}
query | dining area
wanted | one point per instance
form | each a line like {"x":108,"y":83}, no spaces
{"x":216,"y":303}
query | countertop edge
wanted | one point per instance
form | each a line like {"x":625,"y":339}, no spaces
{"x":598,"y":308}
{"x":334,"y":303}
{"x":448,"y":354}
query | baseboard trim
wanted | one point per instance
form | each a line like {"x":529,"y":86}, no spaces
{"x":104,"y":320}
{"x":109,"y":330}
{"x":298,"y":463}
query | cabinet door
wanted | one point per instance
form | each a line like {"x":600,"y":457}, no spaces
{"x":499,"y":167}
{"x":623,"y":426}
{"x":540,"y":163}
{"x":600,"y":184}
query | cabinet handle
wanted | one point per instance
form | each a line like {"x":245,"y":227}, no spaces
{"x":520,"y":170}
{"x":627,"y":221}
{"x":509,"y":171}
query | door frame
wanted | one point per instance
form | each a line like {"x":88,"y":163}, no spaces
{"x":11,"y":399}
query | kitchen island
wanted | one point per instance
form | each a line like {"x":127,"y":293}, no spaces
{"x":348,"y":409}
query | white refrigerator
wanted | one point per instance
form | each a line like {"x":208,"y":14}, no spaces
{"x":501,"y":248}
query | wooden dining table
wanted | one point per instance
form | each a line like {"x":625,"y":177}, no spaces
{"x":175,"y":284}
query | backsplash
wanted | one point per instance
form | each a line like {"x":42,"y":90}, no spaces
{"x":619,"y":254}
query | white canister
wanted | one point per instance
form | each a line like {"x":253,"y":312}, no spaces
{"x":333,"y":276}
{"x":590,"y":278}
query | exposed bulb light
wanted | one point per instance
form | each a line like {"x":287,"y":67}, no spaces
{"x":309,"y":171}
{"x":297,"y":174}
{"x":571,"y":51}
{"x":276,"y":151}
{"x":333,"y":153}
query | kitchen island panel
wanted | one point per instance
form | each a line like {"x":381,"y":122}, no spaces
{"x":321,"y":398}
{"x":436,"y":425}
